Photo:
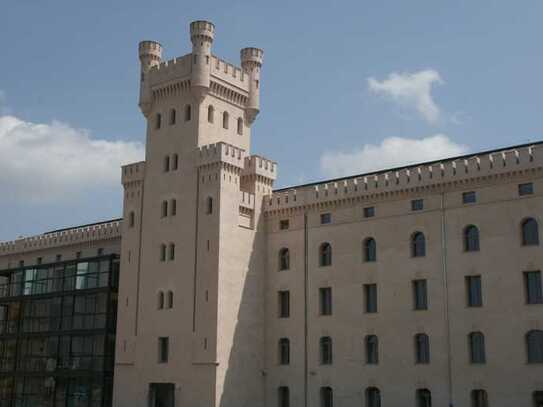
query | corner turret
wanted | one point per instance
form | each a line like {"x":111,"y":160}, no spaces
{"x":251,"y":63}
{"x":201,"y":36}
{"x":150,"y":54}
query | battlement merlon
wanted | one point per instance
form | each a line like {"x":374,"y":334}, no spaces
{"x":258,"y":175}
{"x":132,"y":172}
{"x":453,"y":171}
{"x":220,"y":153}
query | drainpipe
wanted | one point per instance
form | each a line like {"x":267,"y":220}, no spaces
{"x":446,"y":297}
{"x":306,"y":284}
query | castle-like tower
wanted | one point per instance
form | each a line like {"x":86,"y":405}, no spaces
{"x":193,"y":252}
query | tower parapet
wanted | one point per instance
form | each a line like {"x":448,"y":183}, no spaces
{"x":150,"y":54}
{"x":251,"y":63}
{"x":202,"y":34}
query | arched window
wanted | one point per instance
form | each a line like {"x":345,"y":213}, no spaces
{"x":424,"y":398}
{"x":479,"y":398}
{"x":284,"y":259}
{"x":158,"y":121}
{"x":225,"y":119}
{"x":325,"y":254}
{"x":172,"y":251}
{"x":240,"y":126}
{"x":160,"y":300}
{"x":477,"y":353}
{"x":284,"y":351}
{"x":131,"y":219}
{"x":530,"y":232}
{"x":209,"y":205}
{"x":170,"y":299}
{"x":418,"y":245}
{"x":326,"y":350}
{"x":164,"y":209}
{"x":188,"y":112}
{"x":210,"y":114}
{"x":175,"y":162}
{"x":534,"y":342}
{"x":167,"y":163}
{"x":372,"y":350}
{"x":283,"y":395}
{"x":162,"y":252}
{"x":471,"y":238}
{"x":172,"y":117}
{"x":422,"y":349}
{"x":327,"y":397}
{"x":370,"y":249}
{"x":173,"y":207}
{"x":373,"y":397}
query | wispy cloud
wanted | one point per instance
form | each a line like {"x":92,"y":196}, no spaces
{"x":51,"y":163}
{"x":411,"y":90}
{"x":392,"y":152}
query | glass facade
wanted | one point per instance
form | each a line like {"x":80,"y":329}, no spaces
{"x":57,"y":333}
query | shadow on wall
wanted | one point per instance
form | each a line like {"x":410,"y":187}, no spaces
{"x":244,"y":381}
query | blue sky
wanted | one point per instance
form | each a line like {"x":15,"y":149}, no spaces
{"x":347,"y":86}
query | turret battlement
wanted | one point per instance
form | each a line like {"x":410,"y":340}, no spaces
{"x":260,"y":166}
{"x":101,"y":231}
{"x":133,"y":172}
{"x":251,"y":57}
{"x":202,"y":30}
{"x":456,"y":171}
{"x":220,"y":153}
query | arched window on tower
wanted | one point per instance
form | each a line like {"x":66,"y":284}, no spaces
{"x":164,"y":209}
{"x":160,"y":300}
{"x":325,"y":254}
{"x":471,"y":238}
{"x":422,"y":349}
{"x":167,"y":163}
{"x":188,"y":113}
{"x":284,"y":351}
{"x":172,"y":251}
{"x":210,"y":114}
{"x":175,"y":162}
{"x":240,"y":126}
{"x":225,"y":120}
{"x":534,"y":343}
{"x":172,"y":117}
{"x":373,"y":397}
{"x":162,"y":252}
{"x":530,"y":232}
{"x":477,"y":353}
{"x":209,"y":205}
{"x":284,"y":259}
{"x":370,"y":250}
{"x":158,"y":121}
{"x":424,"y":398}
{"x":418,"y":245}
{"x":372,"y":350}
{"x":131,"y":219}
{"x":170,"y":299}
{"x":479,"y":398}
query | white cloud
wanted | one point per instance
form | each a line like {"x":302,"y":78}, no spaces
{"x":55,"y":162}
{"x":412,"y":90}
{"x":392,"y":152}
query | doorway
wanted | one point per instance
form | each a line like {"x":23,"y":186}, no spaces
{"x":161,"y":395}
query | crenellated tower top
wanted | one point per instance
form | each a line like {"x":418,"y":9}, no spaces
{"x":150,"y":54}
{"x":251,"y":63}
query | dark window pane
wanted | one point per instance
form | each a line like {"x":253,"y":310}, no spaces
{"x":417,"y":204}
{"x":370,"y":291}
{"x":474,"y":291}
{"x":526,"y":189}
{"x":477,"y":347}
{"x":469,"y":197}
{"x":326,"y":218}
{"x":534,"y":288}
{"x":530,"y":232}
{"x":325,"y":301}
{"x":369,"y":212}
{"x":420,"y":292}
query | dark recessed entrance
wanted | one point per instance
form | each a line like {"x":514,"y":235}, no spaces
{"x":161,"y":395}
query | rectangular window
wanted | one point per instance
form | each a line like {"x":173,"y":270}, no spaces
{"x":284,"y":224}
{"x":39,"y":260}
{"x":526,"y":189}
{"x":77,"y":255}
{"x":420,"y":294}
{"x":326,"y":218}
{"x":284,"y":396}
{"x":474,"y":291}
{"x":469,"y":197}
{"x":59,"y":257}
{"x":369,"y":212}
{"x":284,"y":304}
{"x":534,"y":293}
{"x":417,"y":204}
{"x":370,"y":293}
{"x":100,"y":252}
{"x":325,"y":300}
{"x":163,"y":350}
